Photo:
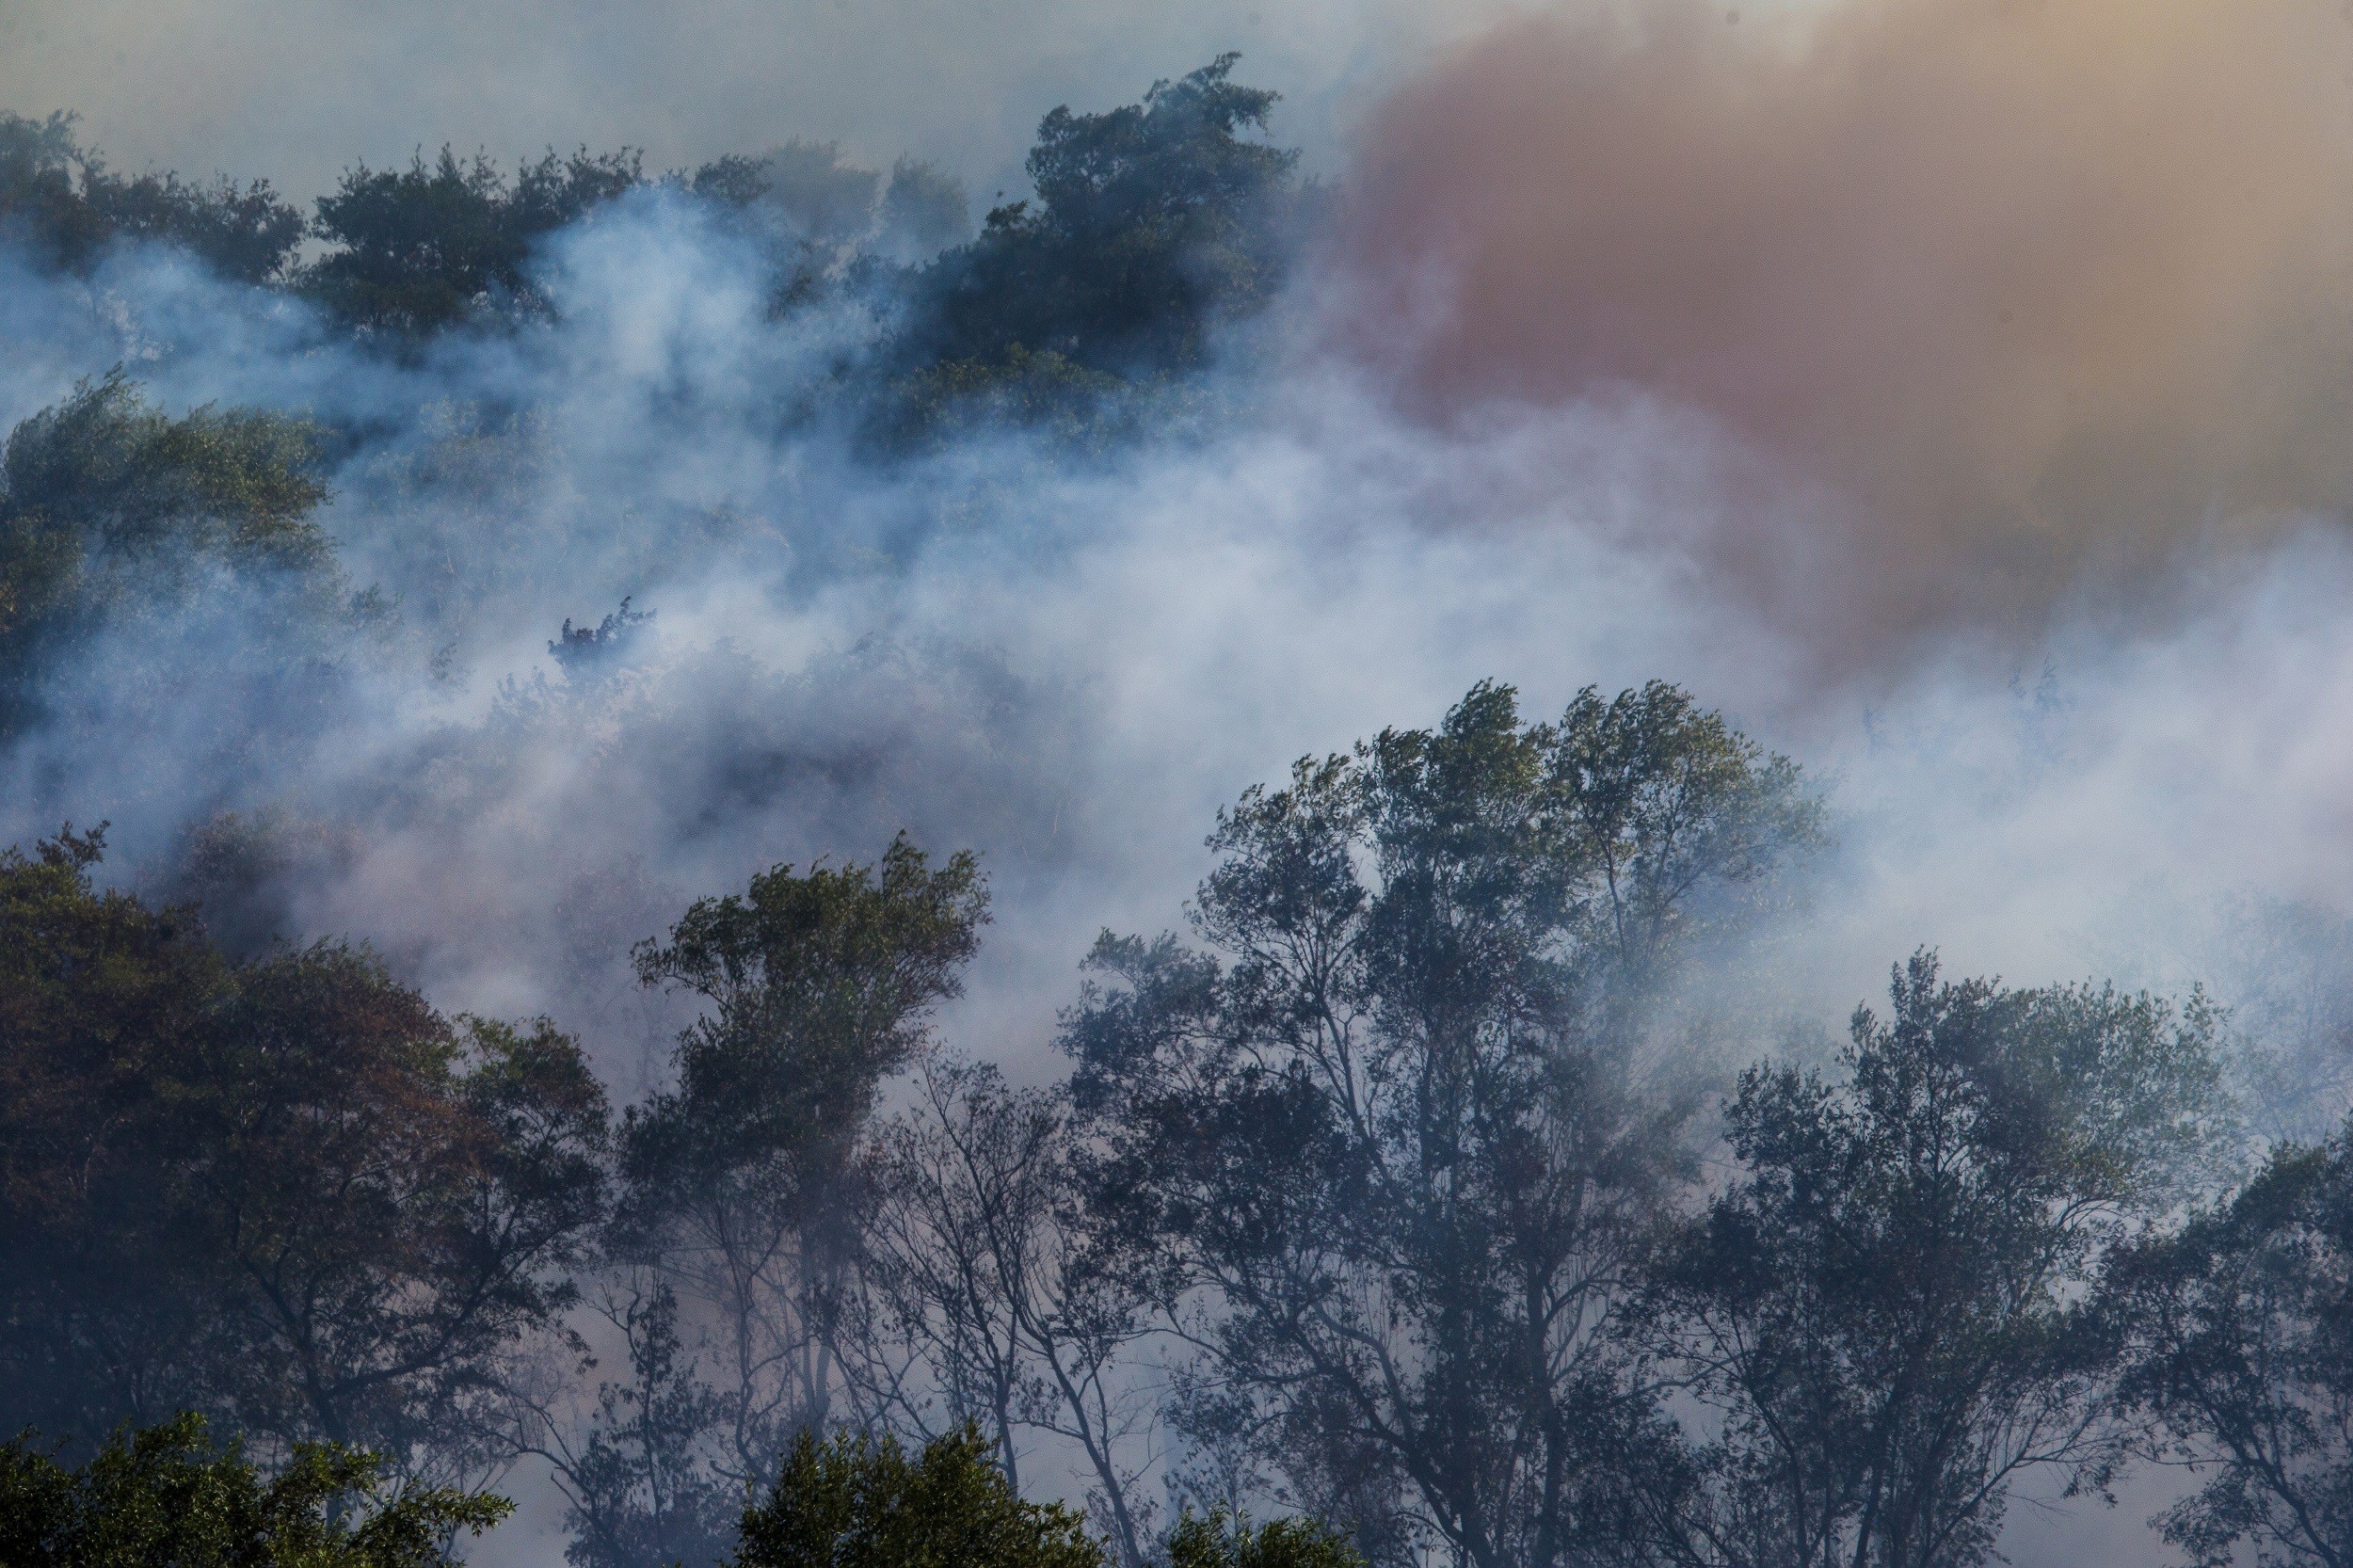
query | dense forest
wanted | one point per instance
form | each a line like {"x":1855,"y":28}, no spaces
{"x":1369,"y":1189}
{"x":1378,"y":1210}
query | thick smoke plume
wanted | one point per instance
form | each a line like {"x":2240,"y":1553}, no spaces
{"x":1996,"y":301}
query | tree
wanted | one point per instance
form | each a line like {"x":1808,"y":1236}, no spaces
{"x":166,"y":1495}
{"x":1385,"y":1153}
{"x":980,"y":1267}
{"x":2240,"y":1336}
{"x":416,"y":249}
{"x":641,"y":1483}
{"x":1226,"y":1540}
{"x":57,"y":199}
{"x":1886,"y":1307}
{"x":285,"y":1191}
{"x":112,"y":510}
{"x":1152,"y":224}
{"x":861,"y":1502}
{"x":739,"y":1179}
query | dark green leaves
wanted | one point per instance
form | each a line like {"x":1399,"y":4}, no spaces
{"x":861,"y":1502}
{"x":287,"y":1191}
{"x":166,"y":1497}
{"x":57,"y":199}
{"x":1886,"y":1307}
{"x":416,"y":249}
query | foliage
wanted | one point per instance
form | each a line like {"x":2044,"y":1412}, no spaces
{"x":1387,"y":1156}
{"x":1885,"y":1306}
{"x":168,"y":1497}
{"x":285,"y":1191}
{"x":924,"y":211}
{"x":1226,"y":1540}
{"x":857,"y":1501}
{"x":2240,"y":1330}
{"x":739,"y":1180}
{"x":58,"y":199}
{"x":417,"y":250}
{"x":583,"y":654}
{"x":1153,"y":223}
{"x":822,"y":201}
{"x":110,"y":508}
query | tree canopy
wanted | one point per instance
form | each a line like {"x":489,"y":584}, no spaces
{"x":287,"y":1192}
{"x":167,"y":1497}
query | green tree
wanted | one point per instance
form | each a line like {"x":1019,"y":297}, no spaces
{"x":1152,"y":223}
{"x":2240,"y":1329}
{"x":168,"y":1497}
{"x":416,"y":249}
{"x":820,"y":985}
{"x":284,"y":1192}
{"x":857,"y":1501}
{"x":1885,"y":1308}
{"x":1387,"y":1153}
{"x":57,"y":199}
{"x":111,"y":510}
{"x":1225,"y":1538}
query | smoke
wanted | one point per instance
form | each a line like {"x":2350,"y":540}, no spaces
{"x":1953,"y":391}
{"x":2000,"y":306}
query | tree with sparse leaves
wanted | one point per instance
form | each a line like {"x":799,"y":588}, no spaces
{"x":739,"y":1179}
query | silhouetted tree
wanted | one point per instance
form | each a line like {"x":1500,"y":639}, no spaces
{"x":57,"y":199}
{"x":640,"y":1479}
{"x":416,"y":249}
{"x":2240,"y":1329}
{"x":1152,"y":223}
{"x":980,"y":1269}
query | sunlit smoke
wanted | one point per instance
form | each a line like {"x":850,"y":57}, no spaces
{"x":1999,"y":302}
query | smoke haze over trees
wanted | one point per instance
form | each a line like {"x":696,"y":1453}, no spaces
{"x":1554,"y":835}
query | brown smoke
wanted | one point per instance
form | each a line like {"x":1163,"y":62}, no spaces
{"x":2008,"y":298}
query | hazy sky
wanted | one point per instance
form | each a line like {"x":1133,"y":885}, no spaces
{"x":292,"y":90}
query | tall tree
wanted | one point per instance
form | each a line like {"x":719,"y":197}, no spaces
{"x":2240,"y":1328}
{"x":1885,"y":1308}
{"x":1386,"y":1154}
